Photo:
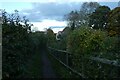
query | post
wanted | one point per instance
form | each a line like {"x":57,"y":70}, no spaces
{"x":67,"y":59}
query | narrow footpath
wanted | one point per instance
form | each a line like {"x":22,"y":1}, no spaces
{"x":48,"y":71}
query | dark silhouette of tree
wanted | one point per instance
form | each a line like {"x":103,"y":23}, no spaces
{"x":87,"y":9}
{"x":72,"y":18}
{"x":79,"y":18}
{"x":98,"y":19}
{"x":51,"y":38}
{"x":15,"y":44}
{"x":114,"y":22}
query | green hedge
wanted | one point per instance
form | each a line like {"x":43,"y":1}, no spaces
{"x":85,"y":42}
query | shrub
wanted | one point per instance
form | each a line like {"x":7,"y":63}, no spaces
{"x":86,"y":40}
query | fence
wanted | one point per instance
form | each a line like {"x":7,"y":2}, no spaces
{"x":64,"y":58}
{"x":87,"y":67}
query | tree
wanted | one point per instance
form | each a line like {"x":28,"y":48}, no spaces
{"x":86,"y":9}
{"x":72,"y":18}
{"x":50,"y":38}
{"x":15,"y":44}
{"x":114,"y":22}
{"x":62,"y":36}
{"x":38,"y":40}
{"x":98,"y":19}
{"x":114,"y":26}
{"x":89,"y":7}
{"x":86,"y":42}
{"x":79,"y":18}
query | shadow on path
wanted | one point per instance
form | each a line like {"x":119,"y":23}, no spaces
{"x":47,"y":69}
{"x":33,"y":66}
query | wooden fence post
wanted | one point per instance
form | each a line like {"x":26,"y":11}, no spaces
{"x":67,"y":59}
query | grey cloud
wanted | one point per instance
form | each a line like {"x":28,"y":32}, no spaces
{"x":54,"y":11}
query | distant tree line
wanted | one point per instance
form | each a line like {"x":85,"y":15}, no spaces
{"x":94,"y":15}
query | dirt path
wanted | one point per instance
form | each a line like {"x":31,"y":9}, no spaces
{"x":48,"y":71}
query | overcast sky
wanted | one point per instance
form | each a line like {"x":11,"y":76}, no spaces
{"x":47,"y":13}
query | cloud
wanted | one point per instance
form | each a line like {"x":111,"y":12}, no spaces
{"x":46,"y":1}
{"x":56,"y":27}
{"x":51,"y":14}
{"x":51,"y":10}
{"x":56,"y":30}
{"x":53,"y":24}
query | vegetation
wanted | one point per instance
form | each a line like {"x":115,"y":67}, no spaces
{"x":15,"y":45}
{"x":79,"y":18}
{"x":60,"y":70}
{"x":92,"y":32}
{"x":99,"y":18}
{"x":92,"y":37}
{"x":33,"y":68}
{"x":114,"y":22}
{"x":51,"y":39}
{"x":97,"y":35}
{"x":19,"y":44}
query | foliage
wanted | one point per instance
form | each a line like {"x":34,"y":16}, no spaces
{"x":114,"y":26}
{"x":73,"y":19}
{"x":114,"y":22}
{"x":87,"y":36}
{"x":110,"y":43}
{"x":14,"y":37}
{"x":18,"y":44}
{"x":96,"y":41}
{"x":98,"y":19}
{"x":98,"y":69}
{"x":86,"y":40}
{"x":81,"y":17}
{"x":39,"y":39}
{"x":60,"y":70}
{"x":63,"y":40}
{"x":51,"y":38}
{"x":86,"y":9}
{"x":89,"y":7}
{"x":33,"y":67}
{"x":76,"y":38}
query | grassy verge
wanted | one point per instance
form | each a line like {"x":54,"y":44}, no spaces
{"x":60,"y":70}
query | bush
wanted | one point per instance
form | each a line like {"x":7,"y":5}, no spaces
{"x":86,"y":42}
